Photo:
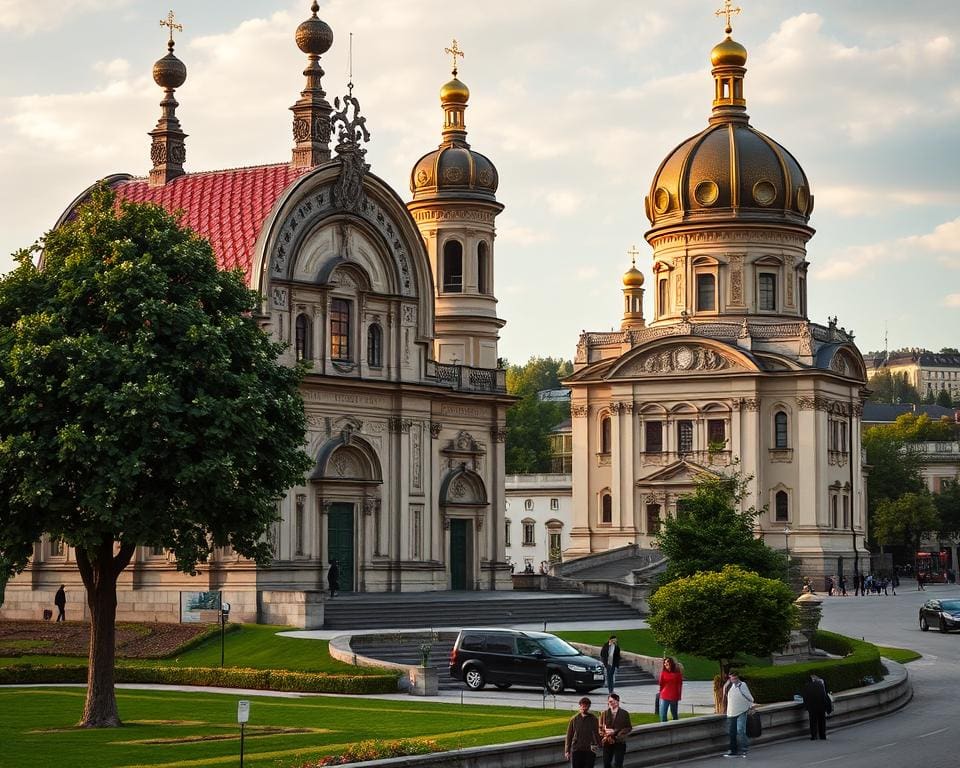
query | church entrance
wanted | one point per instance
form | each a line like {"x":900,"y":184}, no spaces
{"x":340,"y":541}
{"x":459,"y":549}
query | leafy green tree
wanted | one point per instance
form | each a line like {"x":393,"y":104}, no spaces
{"x":948,"y":509}
{"x":949,"y":351}
{"x":711,"y":531}
{"x":719,"y":615}
{"x":913,"y":428}
{"x":906,"y":520}
{"x":530,"y":420}
{"x":141,"y":406}
{"x":887,"y":387}
{"x":894,"y":470}
{"x":944,"y":399}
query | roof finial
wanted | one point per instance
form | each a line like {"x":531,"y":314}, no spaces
{"x":454,"y":51}
{"x":350,"y":66}
{"x":311,"y":113}
{"x":633,"y":253}
{"x":728,"y":10}
{"x":168,"y":150}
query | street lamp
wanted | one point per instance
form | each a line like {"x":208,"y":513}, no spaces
{"x":786,"y":537}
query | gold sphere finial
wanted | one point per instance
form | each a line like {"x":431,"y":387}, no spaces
{"x":314,"y":36}
{"x":454,"y":90}
{"x":170,"y":72}
{"x":633,"y":277}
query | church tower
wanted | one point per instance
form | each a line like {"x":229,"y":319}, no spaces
{"x":454,"y":205}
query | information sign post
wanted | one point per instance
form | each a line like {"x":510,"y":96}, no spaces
{"x":243,"y":714}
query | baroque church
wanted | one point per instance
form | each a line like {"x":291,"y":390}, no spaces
{"x":393,"y":306}
{"x":730,"y":374}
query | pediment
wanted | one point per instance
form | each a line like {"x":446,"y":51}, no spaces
{"x":681,"y":359}
{"x":681,"y":472}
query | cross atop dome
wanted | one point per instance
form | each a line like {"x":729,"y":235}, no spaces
{"x":454,"y":51}
{"x":169,"y":22}
{"x":728,"y":10}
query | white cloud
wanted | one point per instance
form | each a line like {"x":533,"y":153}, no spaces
{"x":563,"y":202}
{"x":114,"y":69}
{"x":952,"y":300}
{"x":943,"y":240}
{"x":29,"y":16}
{"x":854,"y":201}
{"x":519,"y":235}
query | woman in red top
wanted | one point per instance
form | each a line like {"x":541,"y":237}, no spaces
{"x":671,"y":684}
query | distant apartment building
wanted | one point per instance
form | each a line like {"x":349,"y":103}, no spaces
{"x":929,"y":372}
{"x":538,"y":518}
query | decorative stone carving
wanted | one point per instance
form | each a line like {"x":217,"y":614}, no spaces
{"x":351,"y":131}
{"x":344,"y":465}
{"x":416,"y":457}
{"x":679,"y":359}
{"x":839,"y":364}
{"x":806,"y":341}
{"x":396,"y":425}
{"x":578,"y":410}
{"x":499,"y":434}
{"x":748,"y":404}
{"x":409,"y":314}
{"x":279,"y":298}
{"x":435,"y":428}
{"x":736,"y":279}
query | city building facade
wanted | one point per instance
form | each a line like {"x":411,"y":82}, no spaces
{"x":539,"y":515}
{"x":393,"y":307}
{"x":730,"y":375}
{"x":929,"y":372}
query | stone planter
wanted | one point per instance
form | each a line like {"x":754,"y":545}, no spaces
{"x":424,"y":681}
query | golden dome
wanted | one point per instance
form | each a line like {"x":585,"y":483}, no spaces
{"x":633,"y":277}
{"x":455,"y":91}
{"x":728,"y":53}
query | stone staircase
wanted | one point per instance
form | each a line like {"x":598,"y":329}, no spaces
{"x":426,"y":610}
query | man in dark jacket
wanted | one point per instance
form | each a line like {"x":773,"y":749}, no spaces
{"x":615,"y":726}
{"x":583,"y":737}
{"x":610,"y":656}
{"x":333,"y":578}
{"x":60,"y":600}
{"x":818,"y":705}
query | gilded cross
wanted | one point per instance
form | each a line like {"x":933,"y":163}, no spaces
{"x":728,"y":10}
{"x":172,"y":24}
{"x":454,"y":52}
{"x":633,"y":253}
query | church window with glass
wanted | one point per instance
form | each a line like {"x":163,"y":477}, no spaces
{"x":780,"y":430}
{"x":452,"y":267}
{"x":767,"y":292}
{"x":483,"y":267}
{"x":653,"y":433}
{"x":685,"y":436}
{"x":606,"y":509}
{"x":374,"y":346}
{"x":706,"y":293}
{"x":302,"y":340}
{"x":340,"y":329}
{"x":605,"y":440}
{"x":781,"y":505}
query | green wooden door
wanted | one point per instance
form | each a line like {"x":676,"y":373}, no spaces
{"x":340,"y":541}
{"x":459,"y":531}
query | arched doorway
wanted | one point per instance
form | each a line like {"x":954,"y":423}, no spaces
{"x":463,"y":505}
{"x":347,"y":478}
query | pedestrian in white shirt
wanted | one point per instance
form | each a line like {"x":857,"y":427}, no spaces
{"x":739,"y":700}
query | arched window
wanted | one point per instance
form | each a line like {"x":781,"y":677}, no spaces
{"x":833,"y":511}
{"x":302,"y":338}
{"x":453,"y":267}
{"x":606,"y":509}
{"x":780,"y":437}
{"x":706,"y":293}
{"x":605,"y":435}
{"x":781,"y":507}
{"x":662,"y":297}
{"x":483,"y":267}
{"x":374,"y":346}
{"x":340,"y":329}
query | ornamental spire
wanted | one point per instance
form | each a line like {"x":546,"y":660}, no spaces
{"x":728,"y":58}
{"x":168,"y":150}
{"x":453,"y":98}
{"x":311,"y":113}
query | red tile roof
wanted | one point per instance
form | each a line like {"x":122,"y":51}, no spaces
{"x":228,"y":208}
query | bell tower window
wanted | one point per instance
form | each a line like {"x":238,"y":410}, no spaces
{"x":483,"y":267}
{"x":706,"y":293}
{"x":767,"y":292}
{"x":662,"y":297}
{"x":453,"y":267}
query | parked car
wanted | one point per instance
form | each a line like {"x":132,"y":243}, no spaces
{"x":943,"y":614}
{"x":505,"y":657}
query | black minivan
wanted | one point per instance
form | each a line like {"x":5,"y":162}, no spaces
{"x":505,"y":657}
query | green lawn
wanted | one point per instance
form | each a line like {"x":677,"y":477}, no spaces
{"x":193,"y":729}
{"x":642,"y":641}
{"x":900,"y":655}
{"x":255,"y":646}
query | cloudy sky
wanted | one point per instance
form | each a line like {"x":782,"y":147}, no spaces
{"x":576,"y":103}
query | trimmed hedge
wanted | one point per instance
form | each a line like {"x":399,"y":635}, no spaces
{"x":214,"y":677}
{"x":860,"y":660}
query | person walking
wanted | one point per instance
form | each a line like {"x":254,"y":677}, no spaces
{"x":583,"y":737}
{"x":60,"y":600}
{"x":817,"y":702}
{"x":920,"y":582}
{"x":843,"y":586}
{"x":615,"y":726}
{"x":333,"y":578}
{"x":739,"y":700}
{"x":610,"y":656}
{"x":671,"y":685}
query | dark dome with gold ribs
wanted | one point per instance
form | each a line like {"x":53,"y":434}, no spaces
{"x":454,"y":170}
{"x":729,"y":170}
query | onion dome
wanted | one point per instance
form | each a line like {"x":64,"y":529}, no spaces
{"x":730,"y":170}
{"x":454,"y":170}
{"x":633,"y":277}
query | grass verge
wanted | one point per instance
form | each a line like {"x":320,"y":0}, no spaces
{"x":900,"y":655}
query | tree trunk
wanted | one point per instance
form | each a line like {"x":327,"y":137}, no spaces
{"x":99,"y":568}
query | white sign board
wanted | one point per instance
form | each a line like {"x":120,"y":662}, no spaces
{"x":243,"y":711}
